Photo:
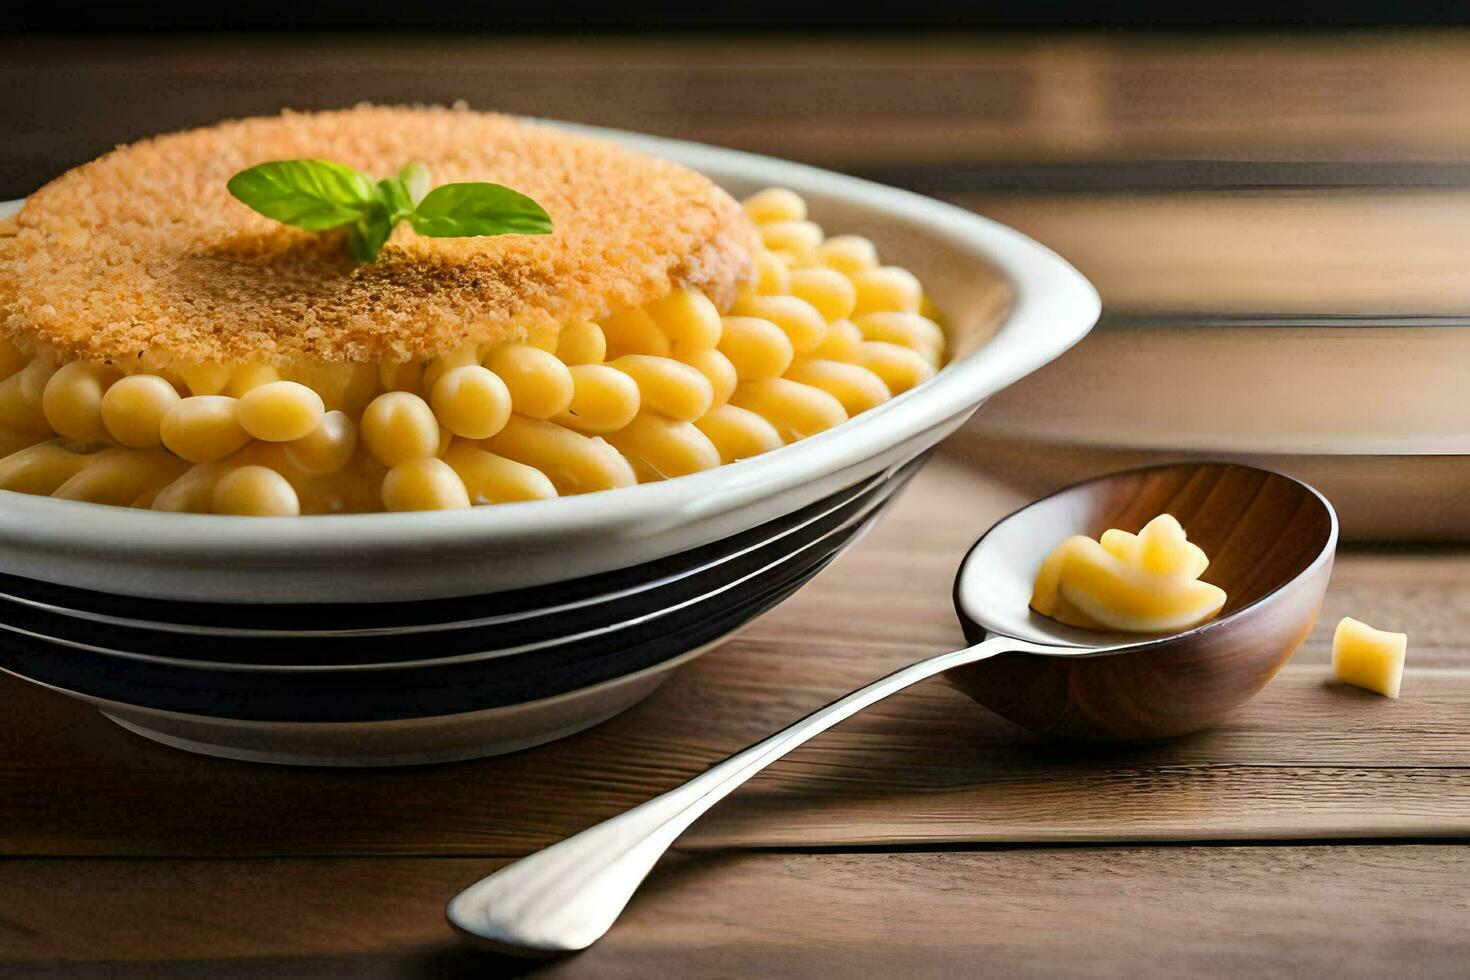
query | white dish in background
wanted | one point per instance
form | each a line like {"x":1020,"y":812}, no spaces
{"x":1012,"y":305}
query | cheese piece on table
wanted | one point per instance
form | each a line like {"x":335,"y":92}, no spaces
{"x":1369,"y":658}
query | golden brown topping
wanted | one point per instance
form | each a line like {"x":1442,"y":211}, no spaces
{"x":144,"y":250}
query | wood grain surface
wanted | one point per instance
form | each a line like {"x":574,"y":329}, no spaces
{"x":1316,"y":251}
{"x":216,"y":868}
{"x":1351,"y":911}
{"x":1140,"y":158}
{"x":899,"y":99}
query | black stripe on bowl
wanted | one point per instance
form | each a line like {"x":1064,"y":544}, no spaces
{"x":382,"y":695}
{"x":359,"y":619}
{"x":517,"y":637}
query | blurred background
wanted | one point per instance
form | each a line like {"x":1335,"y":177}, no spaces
{"x":1273,"y":204}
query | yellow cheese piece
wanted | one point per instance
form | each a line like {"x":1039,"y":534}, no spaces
{"x":1137,"y":583}
{"x":1368,"y":658}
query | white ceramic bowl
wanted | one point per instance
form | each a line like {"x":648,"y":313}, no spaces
{"x":427,"y":697}
{"x":966,"y":262}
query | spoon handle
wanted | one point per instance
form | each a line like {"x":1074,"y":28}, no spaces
{"x":565,"y":897}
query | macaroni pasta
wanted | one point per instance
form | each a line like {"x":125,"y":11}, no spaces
{"x":822,"y":332}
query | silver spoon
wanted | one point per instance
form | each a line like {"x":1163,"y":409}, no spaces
{"x":1271,"y":540}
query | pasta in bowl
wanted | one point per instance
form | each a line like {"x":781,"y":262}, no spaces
{"x":738,"y":367}
{"x":759,"y":331}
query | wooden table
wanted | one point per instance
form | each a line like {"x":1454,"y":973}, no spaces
{"x":1321,"y":832}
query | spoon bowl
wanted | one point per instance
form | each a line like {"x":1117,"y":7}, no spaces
{"x":1271,"y":542}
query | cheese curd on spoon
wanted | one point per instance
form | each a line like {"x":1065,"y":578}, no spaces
{"x":1135,"y":583}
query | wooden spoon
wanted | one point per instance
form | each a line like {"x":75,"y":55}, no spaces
{"x":1271,"y":539}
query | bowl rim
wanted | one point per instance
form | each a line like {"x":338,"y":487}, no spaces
{"x":847,"y":531}
{"x":391,"y":694}
{"x":859,"y":494}
{"x":1053,"y":308}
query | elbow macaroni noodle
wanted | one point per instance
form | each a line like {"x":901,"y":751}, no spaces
{"x":822,"y":333}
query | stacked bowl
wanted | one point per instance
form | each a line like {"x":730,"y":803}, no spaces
{"x":382,"y":639}
{"x":426,"y":680}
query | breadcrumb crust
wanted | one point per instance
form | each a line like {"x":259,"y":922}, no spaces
{"x":143,"y":252}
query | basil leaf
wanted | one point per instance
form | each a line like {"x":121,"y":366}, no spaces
{"x":415,"y":179}
{"x":311,"y":194}
{"x":394,"y":195}
{"x":320,"y":195}
{"x":472,"y":209}
{"x":370,"y":233}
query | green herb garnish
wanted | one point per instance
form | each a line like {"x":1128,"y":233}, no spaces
{"x":320,"y":195}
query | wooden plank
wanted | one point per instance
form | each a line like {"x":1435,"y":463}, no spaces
{"x":1394,"y":501}
{"x":1356,"y":910}
{"x":1269,"y":252}
{"x":845,"y":101}
{"x":1304,"y":760}
{"x":916,"y":110}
